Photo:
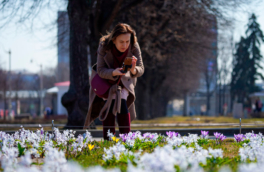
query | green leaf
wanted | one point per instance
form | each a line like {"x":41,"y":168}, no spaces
{"x":21,"y":150}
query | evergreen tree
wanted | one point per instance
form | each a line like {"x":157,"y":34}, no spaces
{"x":240,"y":74}
{"x":254,"y":39}
{"x":246,"y":62}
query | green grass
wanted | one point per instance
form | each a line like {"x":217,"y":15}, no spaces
{"x":161,"y":120}
{"x":93,"y":157}
{"x":193,"y":120}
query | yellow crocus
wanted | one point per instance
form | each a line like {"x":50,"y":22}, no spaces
{"x":115,"y":139}
{"x":90,"y":146}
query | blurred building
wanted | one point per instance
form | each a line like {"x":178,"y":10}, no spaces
{"x":25,"y":93}
{"x":63,"y":39}
{"x":57,"y":92}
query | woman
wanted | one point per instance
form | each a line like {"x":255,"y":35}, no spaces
{"x":113,"y":49}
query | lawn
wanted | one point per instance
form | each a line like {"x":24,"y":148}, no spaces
{"x":197,"y":120}
{"x":201,"y":122}
{"x":160,"y":120}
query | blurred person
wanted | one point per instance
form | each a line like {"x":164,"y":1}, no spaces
{"x":203,"y":109}
{"x":46,"y":113}
{"x":113,"y":48}
{"x":258,"y":105}
{"x":225,"y":107}
{"x":51,"y":111}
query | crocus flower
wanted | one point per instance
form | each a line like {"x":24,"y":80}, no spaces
{"x":109,"y":134}
{"x":239,"y":137}
{"x":132,"y":136}
{"x":90,"y":146}
{"x":123,"y":137}
{"x":172,"y":134}
{"x":115,"y":139}
{"x":204,"y":134}
{"x":222,"y":137}
{"x":217,"y":135}
{"x":148,"y":135}
{"x":41,"y":131}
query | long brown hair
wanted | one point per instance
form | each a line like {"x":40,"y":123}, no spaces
{"x":119,"y":29}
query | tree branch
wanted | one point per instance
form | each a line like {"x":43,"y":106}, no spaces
{"x":130,"y":5}
{"x":112,"y":16}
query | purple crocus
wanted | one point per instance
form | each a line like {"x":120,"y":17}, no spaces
{"x":204,"y":134}
{"x":123,"y":137}
{"x":172,"y":134}
{"x":239,"y":137}
{"x":41,"y":131}
{"x":217,"y":135}
{"x":148,"y":135}
{"x":222,"y":137}
{"x":133,"y":136}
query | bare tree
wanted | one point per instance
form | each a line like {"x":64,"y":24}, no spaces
{"x":224,"y":71}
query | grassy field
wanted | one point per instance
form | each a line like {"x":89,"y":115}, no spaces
{"x":197,"y":120}
{"x":162,"y":120}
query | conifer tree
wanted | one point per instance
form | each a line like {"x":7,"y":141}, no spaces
{"x":254,"y":40}
{"x":240,"y":74}
{"x":246,"y":63}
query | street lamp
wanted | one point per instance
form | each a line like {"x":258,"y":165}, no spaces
{"x":41,"y":90}
{"x":9,"y":100}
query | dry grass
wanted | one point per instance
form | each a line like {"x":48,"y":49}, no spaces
{"x":229,"y":147}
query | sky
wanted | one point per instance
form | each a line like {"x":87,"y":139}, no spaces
{"x":26,"y":42}
{"x":39,"y":43}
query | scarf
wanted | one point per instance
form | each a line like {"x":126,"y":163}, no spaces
{"x":119,"y":57}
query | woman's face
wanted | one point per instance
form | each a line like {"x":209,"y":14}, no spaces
{"x":122,"y":42}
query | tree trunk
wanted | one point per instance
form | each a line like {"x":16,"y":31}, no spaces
{"x":159,"y":106}
{"x":76,"y":99}
{"x":186,"y":104}
{"x":208,"y":96}
{"x":142,"y":101}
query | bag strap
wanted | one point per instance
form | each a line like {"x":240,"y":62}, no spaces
{"x":119,"y":79}
{"x":120,"y":66}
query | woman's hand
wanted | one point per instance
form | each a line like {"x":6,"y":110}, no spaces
{"x":117,"y":72}
{"x":134,"y":62}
